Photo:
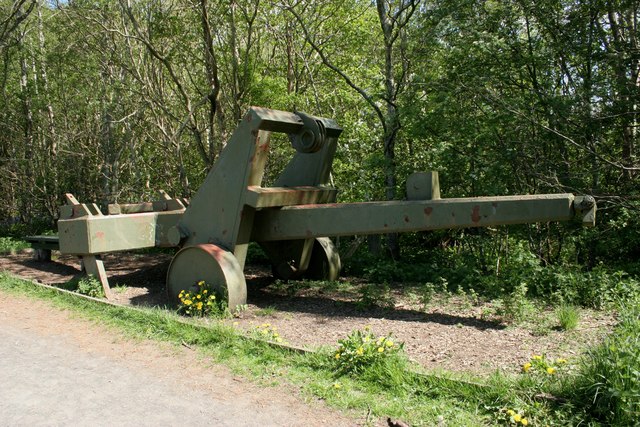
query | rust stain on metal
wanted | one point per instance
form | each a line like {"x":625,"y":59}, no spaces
{"x":100,"y":235}
{"x":406,"y":218}
{"x":213,"y":250}
{"x":475,"y":215}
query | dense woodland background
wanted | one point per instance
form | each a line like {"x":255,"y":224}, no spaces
{"x":113,"y":100}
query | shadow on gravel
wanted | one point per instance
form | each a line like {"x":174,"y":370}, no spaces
{"x":51,"y":267}
{"x":328,"y":307}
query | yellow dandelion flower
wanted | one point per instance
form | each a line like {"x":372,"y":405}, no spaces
{"x":201,"y":283}
{"x":360,"y":351}
{"x":204,"y":291}
{"x":511,"y":412}
{"x":380,"y":349}
{"x":278,"y":339}
{"x":188,"y":302}
{"x":551,"y":370}
{"x":524,"y":422}
{"x":209,"y":304}
{"x":526,"y":367}
{"x":389,"y":343}
{"x":199,"y":296}
{"x":536,"y":357}
{"x":199,"y":306}
{"x":517,"y":418}
{"x":337,"y":385}
{"x":561,"y":361}
{"x":337,"y":356}
{"x":212,"y":297}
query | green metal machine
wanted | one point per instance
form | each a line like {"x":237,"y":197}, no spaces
{"x":291,"y":220}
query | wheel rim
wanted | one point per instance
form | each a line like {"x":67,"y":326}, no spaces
{"x":325,"y":261}
{"x":210,"y":263}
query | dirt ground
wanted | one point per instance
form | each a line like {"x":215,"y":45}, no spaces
{"x":450,"y":336}
{"x":57,"y":369}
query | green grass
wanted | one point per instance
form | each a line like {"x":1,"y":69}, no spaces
{"x":371,"y":393}
{"x":9,"y":245}
{"x":608,"y":383}
{"x":568,"y":317}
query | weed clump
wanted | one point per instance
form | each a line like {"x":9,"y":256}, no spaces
{"x":201,"y":300}
{"x":362,"y":351}
{"x":90,"y":286}
{"x":568,"y":317}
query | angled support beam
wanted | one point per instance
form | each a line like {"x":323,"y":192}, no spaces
{"x":94,"y":266}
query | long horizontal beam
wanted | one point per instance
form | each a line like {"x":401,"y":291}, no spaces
{"x":110,"y":233}
{"x":343,"y":219}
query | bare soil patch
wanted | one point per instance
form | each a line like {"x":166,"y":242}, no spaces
{"x":453,"y":336}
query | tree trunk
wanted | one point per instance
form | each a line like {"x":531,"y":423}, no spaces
{"x":51,"y":163}
{"x":26,"y":194}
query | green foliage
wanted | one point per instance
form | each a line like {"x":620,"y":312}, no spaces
{"x":494,"y":267}
{"x":608,"y":385}
{"x":362,"y":351}
{"x":268,"y":332}
{"x":255,"y":255}
{"x":10,"y":245}
{"x":375,"y":295}
{"x":508,"y":416}
{"x":90,"y":286}
{"x":267,"y":311}
{"x":568,"y":317}
{"x":540,"y":366}
{"x":514,"y":306}
{"x":201,"y":300}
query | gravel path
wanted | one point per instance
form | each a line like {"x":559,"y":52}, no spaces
{"x":60,"y":370}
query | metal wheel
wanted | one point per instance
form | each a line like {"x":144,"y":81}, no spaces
{"x":212,"y":264}
{"x":325,"y":261}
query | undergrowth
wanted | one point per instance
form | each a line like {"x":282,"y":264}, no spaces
{"x":608,"y":382}
{"x":10,"y":245}
{"x":509,"y":277}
